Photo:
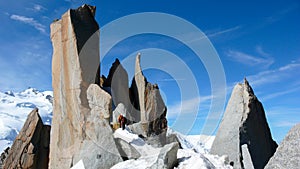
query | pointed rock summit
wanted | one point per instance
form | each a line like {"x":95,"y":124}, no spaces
{"x":31,"y":146}
{"x":244,"y":134}
{"x":117,"y":84}
{"x":287,"y":154}
{"x":146,"y":98}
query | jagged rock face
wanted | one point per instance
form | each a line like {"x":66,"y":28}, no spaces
{"x":244,"y":122}
{"x":287,"y":154}
{"x":31,"y":147}
{"x":81,"y":110}
{"x":146,"y":98}
{"x":156,"y":110}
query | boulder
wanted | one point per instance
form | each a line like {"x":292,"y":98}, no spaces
{"x":167,"y":157}
{"x":100,"y":103}
{"x":31,"y":146}
{"x":156,"y":140}
{"x":126,"y":150}
{"x":287,"y":154}
{"x":172,"y":138}
{"x":81,"y":109}
{"x":146,"y":98}
{"x":244,"y":122}
{"x":139,"y":129}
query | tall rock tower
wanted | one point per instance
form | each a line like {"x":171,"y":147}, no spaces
{"x":244,"y":134}
{"x":81,"y":109}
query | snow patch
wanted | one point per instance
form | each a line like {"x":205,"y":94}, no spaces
{"x":14,"y":108}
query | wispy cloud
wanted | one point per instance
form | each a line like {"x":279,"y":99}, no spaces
{"x":276,"y":75}
{"x":170,"y":80}
{"x":30,"y":21}
{"x":260,"y":51}
{"x":6,"y":13}
{"x":248,"y":59}
{"x":210,"y":34}
{"x":281,"y":14}
{"x":217,"y":33}
{"x":281,"y":93}
{"x":38,"y":7}
{"x":286,"y":123}
{"x":187,"y":106}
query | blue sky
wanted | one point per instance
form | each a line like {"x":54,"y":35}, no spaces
{"x":254,"y":39}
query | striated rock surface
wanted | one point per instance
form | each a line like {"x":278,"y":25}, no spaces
{"x":81,"y":111}
{"x":31,"y":147}
{"x":244,"y":128}
{"x":287,"y":154}
{"x":146,"y":98}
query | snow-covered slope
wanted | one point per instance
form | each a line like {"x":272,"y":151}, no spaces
{"x":193,"y":155}
{"x":14,"y":108}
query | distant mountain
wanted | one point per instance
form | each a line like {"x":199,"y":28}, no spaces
{"x":14,"y":108}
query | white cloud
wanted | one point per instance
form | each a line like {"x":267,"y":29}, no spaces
{"x":30,"y":21}
{"x":248,"y":59}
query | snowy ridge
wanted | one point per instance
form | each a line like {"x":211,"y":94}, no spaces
{"x":14,"y":108}
{"x":193,"y":155}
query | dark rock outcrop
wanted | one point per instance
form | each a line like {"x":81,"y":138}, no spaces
{"x":287,"y":154}
{"x":31,"y":147}
{"x":244,"y":131}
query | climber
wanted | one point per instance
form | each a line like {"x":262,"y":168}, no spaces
{"x":122,"y":120}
